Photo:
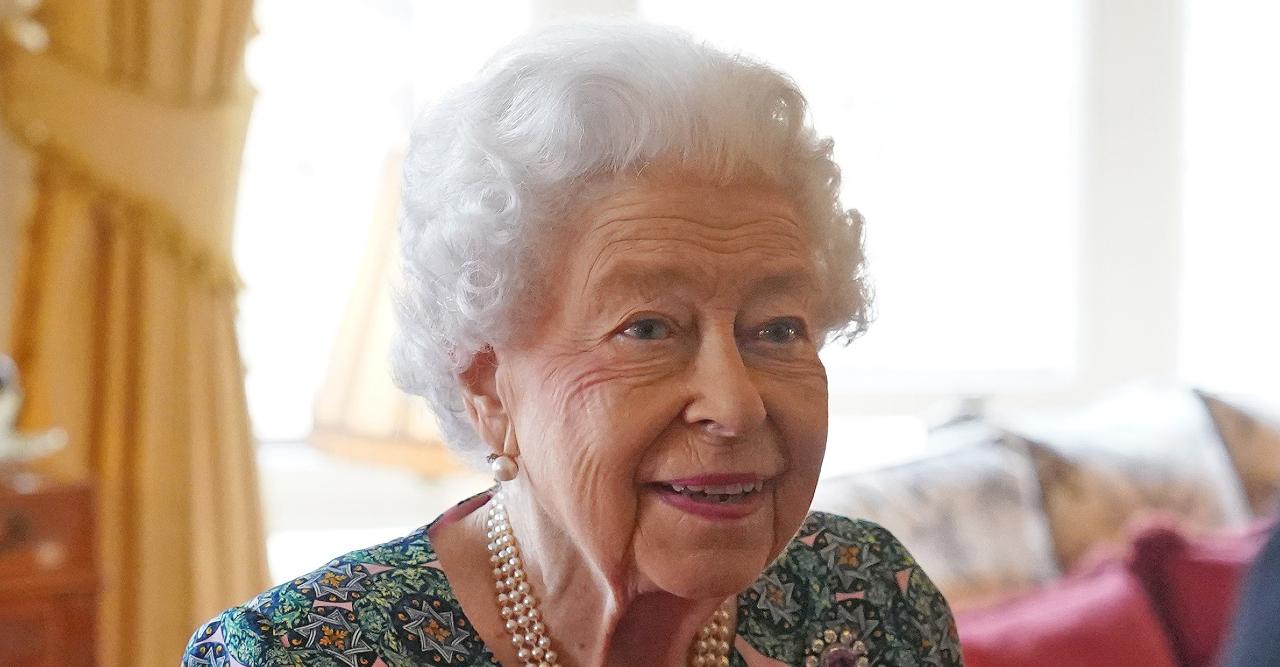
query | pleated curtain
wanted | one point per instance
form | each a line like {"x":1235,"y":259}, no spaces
{"x":124,"y":318}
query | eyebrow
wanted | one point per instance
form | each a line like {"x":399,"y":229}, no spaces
{"x":648,"y":279}
{"x":635,"y":277}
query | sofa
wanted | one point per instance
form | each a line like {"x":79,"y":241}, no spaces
{"x":1109,"y":533}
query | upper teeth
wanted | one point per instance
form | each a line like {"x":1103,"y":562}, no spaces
{"x":719,"y":490}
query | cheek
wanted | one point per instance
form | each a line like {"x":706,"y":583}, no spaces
{"x":797,"y":403}
{"x":795,"y":395}
{"x":585,"y":423}
{"x":609,"y":404}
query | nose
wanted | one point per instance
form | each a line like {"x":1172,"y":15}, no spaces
{"x":725,"y":401}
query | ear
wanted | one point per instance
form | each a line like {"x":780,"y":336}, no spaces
{"x":489,"y":416}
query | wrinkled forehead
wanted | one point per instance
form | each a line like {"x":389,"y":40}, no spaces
{"x":650,"y":233}
{"x":685,"y":190}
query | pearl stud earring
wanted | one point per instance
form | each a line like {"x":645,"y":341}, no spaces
{"x":504,"y":467}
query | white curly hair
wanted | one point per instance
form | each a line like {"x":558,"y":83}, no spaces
{"x":493,"y":166}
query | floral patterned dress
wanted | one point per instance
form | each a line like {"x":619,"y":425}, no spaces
{"x":843,"y":592}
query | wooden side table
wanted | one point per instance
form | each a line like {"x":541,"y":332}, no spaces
{"x":48,"y":573}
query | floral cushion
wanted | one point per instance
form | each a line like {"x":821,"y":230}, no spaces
{"x":1251,"y":431}
{"x":1145,"y":448}
{"x":971,"y":515}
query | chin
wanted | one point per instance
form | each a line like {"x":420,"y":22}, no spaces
{"x":708,"y":588}
{"x":698,"y":558}
{"x":710,"y":576}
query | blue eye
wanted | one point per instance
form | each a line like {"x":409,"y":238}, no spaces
{"x":781,"y":331}
{"x":647,"y":329}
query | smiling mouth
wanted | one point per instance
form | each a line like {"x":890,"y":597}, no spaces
{"x":715,"y":493}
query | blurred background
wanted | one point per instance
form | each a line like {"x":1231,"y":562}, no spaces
{"x":1065,"y":199}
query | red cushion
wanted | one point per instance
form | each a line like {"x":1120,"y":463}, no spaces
{"x":1098,"y":618}
{"x":1193,"y":583}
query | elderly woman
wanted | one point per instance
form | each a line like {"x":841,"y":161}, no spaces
{"x":623,"y":250}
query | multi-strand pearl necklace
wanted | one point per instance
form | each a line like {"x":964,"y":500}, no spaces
{"x":524,"y":620}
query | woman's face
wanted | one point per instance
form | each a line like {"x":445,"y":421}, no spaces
{"x":677,"y":348}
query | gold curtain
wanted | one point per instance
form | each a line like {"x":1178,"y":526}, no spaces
{"x":124,"y":325}
{"x":359,"y":412}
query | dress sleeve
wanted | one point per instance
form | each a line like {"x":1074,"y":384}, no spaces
{"x":237,"y":636}
{"x":913,"y":607}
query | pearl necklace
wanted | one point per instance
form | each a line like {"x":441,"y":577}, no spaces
{"x":523,"y":618}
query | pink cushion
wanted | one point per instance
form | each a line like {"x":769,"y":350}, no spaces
{"x":1193,"y":583}
{"x":1099,"y":618}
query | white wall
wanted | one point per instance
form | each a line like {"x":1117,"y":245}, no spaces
{"x":1130,"y":232}
{"x":1231,"y":218}
{"x":548,"y":11}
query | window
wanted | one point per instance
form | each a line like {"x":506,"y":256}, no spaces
{"x":338,"y":84}
{"x":956,"y":128}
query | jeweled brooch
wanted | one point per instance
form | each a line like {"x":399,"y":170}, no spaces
{"x":836,"y":649}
